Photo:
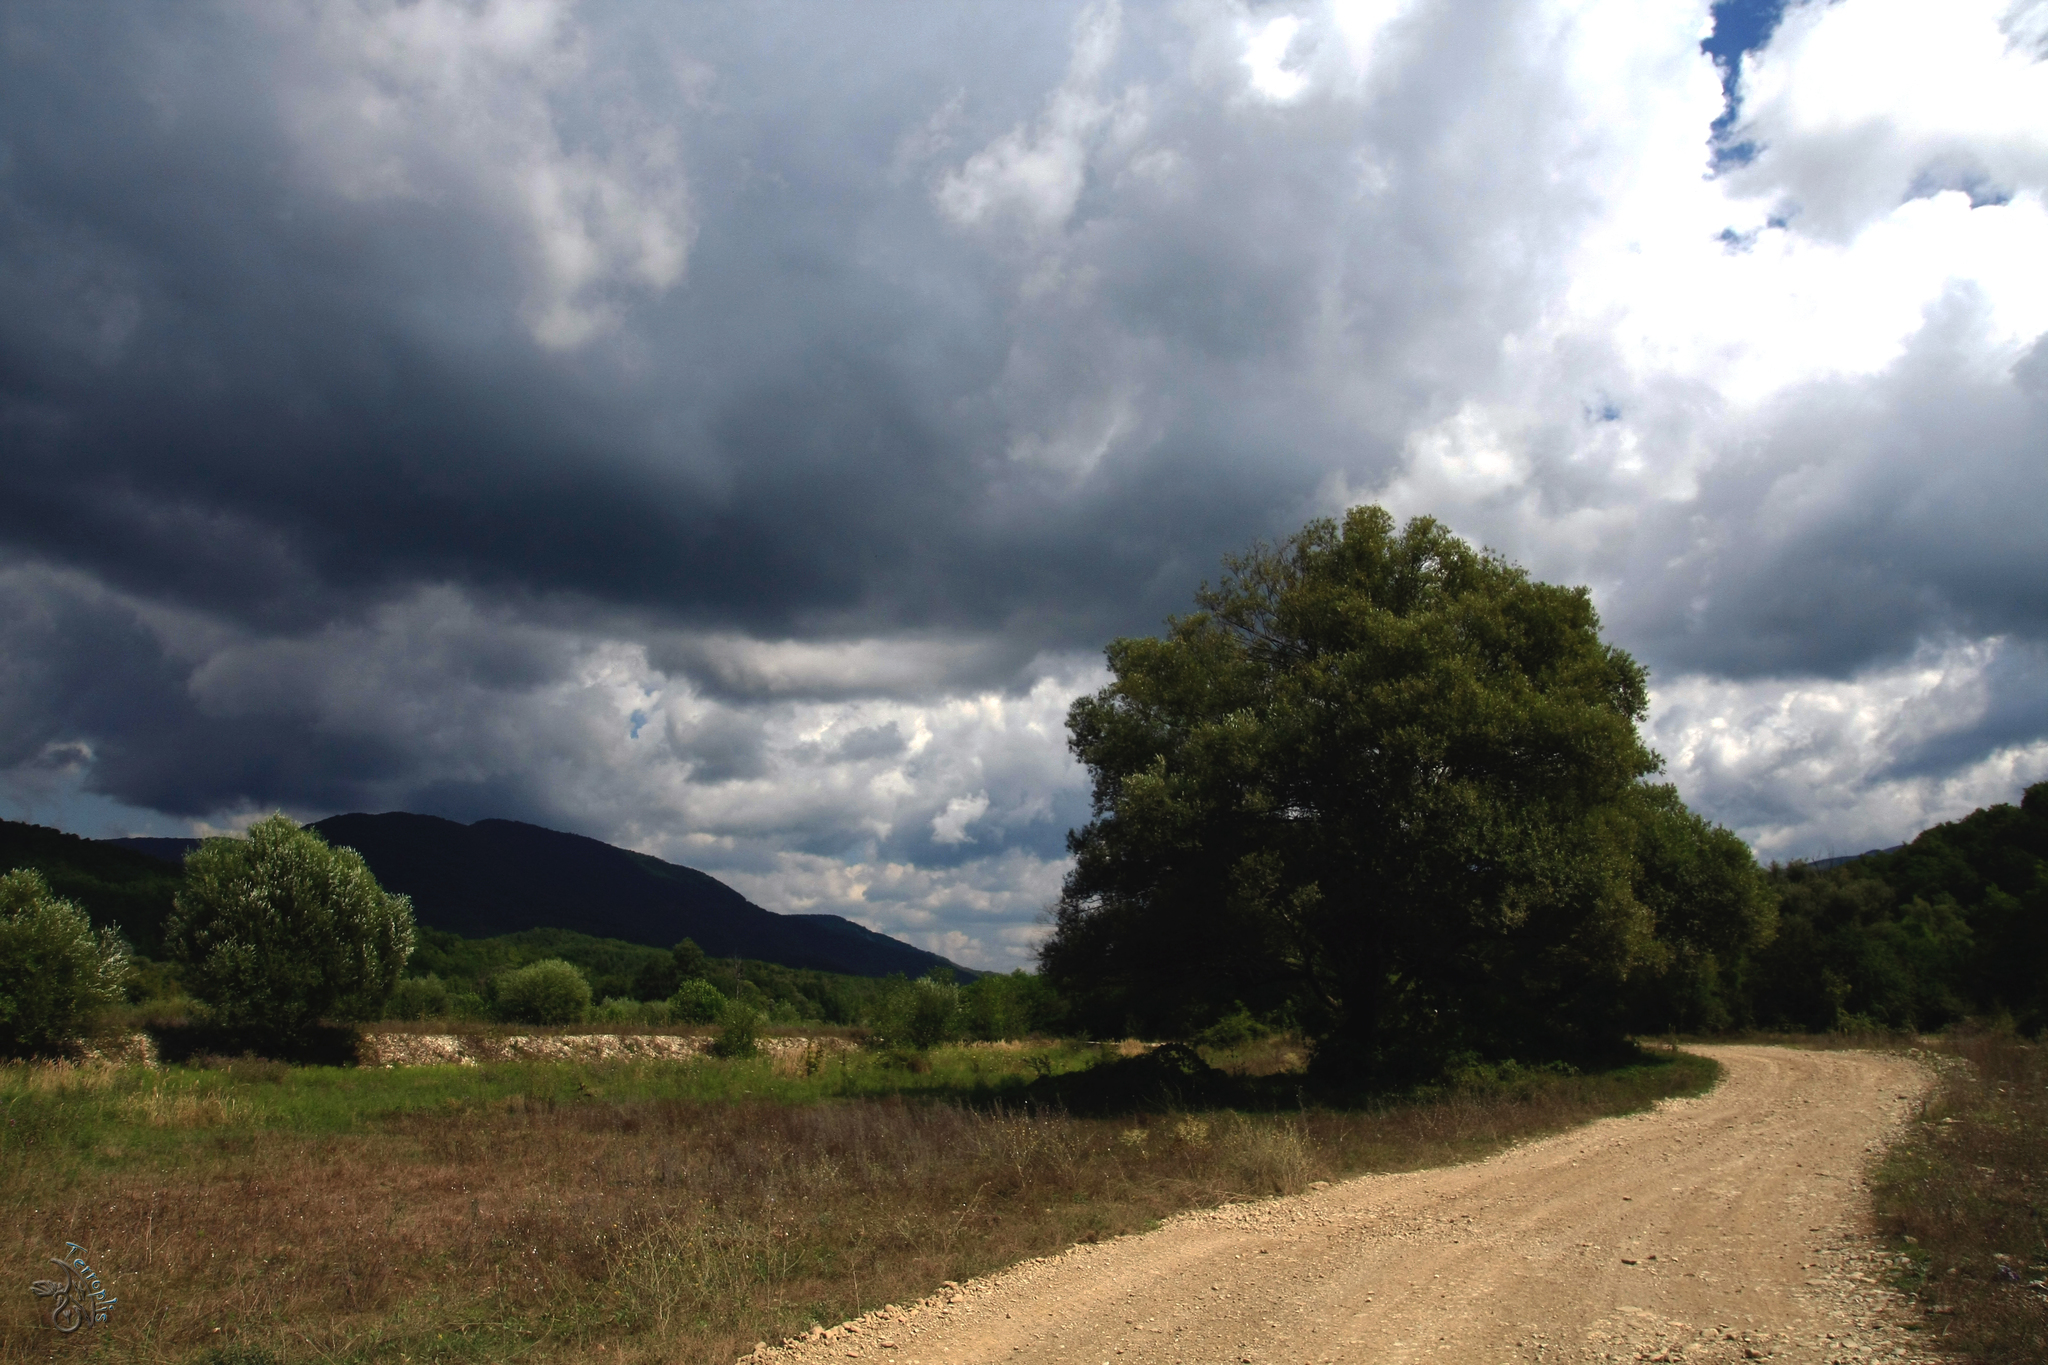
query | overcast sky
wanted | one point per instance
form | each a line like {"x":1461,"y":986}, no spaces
{"x":733,"y":431}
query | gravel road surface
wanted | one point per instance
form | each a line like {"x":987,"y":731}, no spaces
{"x":1729,"y":1227}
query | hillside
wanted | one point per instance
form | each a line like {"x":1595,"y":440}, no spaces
{"x":491,"y":878}
{"x":117,"y":886}
{"x":502,"y":876}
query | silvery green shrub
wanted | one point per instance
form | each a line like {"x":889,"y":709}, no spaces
{"x":739,"y":1031}
{"x":623,"y":1010}
{"x":278,"y":929}
{"x":916,"y":1014}
{"x":55,"y":972}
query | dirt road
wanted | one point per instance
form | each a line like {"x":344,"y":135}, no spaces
{"x":1730,"y":1227}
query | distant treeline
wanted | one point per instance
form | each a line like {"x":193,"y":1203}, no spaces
{"x":468,"y":970}
{"x":1954,"y":924}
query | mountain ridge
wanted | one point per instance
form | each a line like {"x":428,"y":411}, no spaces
{"x":498,"y":876}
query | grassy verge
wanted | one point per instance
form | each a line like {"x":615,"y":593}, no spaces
{"x":1966,"y":1197}
{"x":639,"y":1211}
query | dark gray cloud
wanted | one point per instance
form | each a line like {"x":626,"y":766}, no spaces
{"x":872,"y":741}
{"x":88,"y":683}
{"x":1861,"y":518}
{"x":1998,"y":711}
{"x":239,"y":377}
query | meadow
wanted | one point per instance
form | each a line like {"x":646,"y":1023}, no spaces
{"x":1965,"y":1197}
{"x":246,"y":1211}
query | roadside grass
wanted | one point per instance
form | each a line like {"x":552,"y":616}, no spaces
{"x":640,"y":1211}
{"x":1965,"y":1196}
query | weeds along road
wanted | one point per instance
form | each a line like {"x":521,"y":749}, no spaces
{"x":1728,"y":1227}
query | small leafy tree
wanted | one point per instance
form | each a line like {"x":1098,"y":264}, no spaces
{"x":739,"y":1031}
{"x":696,"y":1001}
{"x":550,"y":991}
{"x":690,"y":961}
{"x":55,"y":972}
{"x":278,"y":930}
{"x":916,"y":1014}
{"x":1013,"y":1006}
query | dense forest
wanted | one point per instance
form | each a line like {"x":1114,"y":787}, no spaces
{"x":987,"y":1005}
{"x":1954,"y":924}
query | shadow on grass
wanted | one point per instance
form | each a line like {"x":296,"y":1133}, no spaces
{"x":196,"y":1043}
{"x":1168,"y":1078}
{"x":1175,"y":1077}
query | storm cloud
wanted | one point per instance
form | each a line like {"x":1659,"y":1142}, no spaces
{"x":735,"y":432}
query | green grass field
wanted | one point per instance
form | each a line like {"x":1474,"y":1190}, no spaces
{"x":631,"y":1212}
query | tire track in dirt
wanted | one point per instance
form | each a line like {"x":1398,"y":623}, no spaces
{"x":1733,"y":1226}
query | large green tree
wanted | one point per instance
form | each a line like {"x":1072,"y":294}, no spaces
{"x":278,"y":930}
{"x":1393,"y":786}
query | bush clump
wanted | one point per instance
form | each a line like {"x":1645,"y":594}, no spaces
{"x":1234,"y":1030}
{"x":418,"y":997}
{"x":56,"y":974}
{"x":916,"y":1015}
{"x":278,"y":930}
{"x":550,"y":991}
{"x":621,"y":1010}
{"x":739,"y":1031}
{"x":696,"y":1002}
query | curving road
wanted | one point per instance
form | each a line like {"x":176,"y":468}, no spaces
{"x":1729,"y":1227}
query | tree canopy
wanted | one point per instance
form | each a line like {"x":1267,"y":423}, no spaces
{"x":1390,"y":787}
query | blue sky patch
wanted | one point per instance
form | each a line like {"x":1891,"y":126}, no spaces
{"x":1739,"y":26}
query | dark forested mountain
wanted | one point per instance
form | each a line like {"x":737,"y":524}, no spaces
{"x":502,"y":876}
{"x":1844,"y":859}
